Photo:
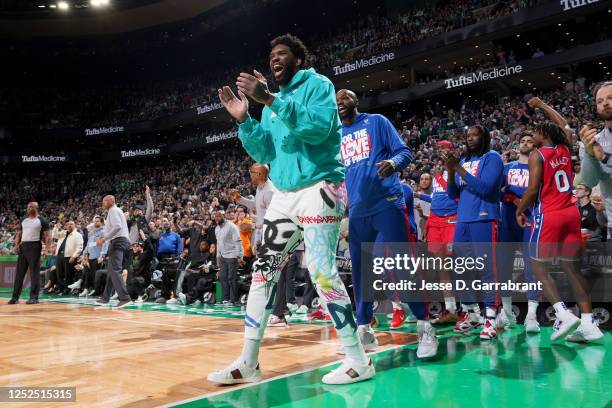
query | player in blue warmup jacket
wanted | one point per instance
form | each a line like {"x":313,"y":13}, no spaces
{"x":514,"y":184}
{"x":475,"y":179}
{"x":373,"y":153}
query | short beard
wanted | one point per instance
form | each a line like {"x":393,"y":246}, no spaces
{"x":525,"y":153}
{"x":289,"y":73}
{"x":604,"y":116}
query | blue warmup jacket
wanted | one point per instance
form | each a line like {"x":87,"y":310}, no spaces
{"x":441,"y":204}
{"x":516,"y":180}
{"x":409,"y":200}
{"x":370,"y":139}
{"x":478,"y":193}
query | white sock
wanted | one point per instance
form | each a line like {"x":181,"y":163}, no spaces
{"x":532,"y":307}
{"x":396,"y":305}
{"x":490,"y":312}
{"x":250,"y":352}
{"x":586,"y":318}
{"x":464,"y":308}
{"x":450,"y":304}
{"x":363,"y":328}
{"x":475,"y":308}
{"x":507,"y":303}
{"x":356,"y":353}
{"x":423,"y":324}
{"x":560,"y":308}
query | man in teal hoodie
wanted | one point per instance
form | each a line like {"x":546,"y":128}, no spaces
{"x":299,"y":137}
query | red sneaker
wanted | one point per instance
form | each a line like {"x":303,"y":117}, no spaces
{"x":399,"y":316}
{"x":468,"y":322}
{"x":319,"y":314}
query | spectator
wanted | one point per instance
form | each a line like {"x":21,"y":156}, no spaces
{"x":229,"y":257}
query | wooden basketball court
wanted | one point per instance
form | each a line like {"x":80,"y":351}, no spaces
{"x":145,"y":358}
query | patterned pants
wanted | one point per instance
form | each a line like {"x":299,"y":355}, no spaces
{"x":312,"y":214}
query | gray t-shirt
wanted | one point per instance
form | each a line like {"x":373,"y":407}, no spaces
{"x":32,"y":229}
{"x":594,"y":172}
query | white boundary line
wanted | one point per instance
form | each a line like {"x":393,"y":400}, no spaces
{"x":267,"y":380}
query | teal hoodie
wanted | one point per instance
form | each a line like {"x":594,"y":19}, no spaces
{"x":299,"y":134}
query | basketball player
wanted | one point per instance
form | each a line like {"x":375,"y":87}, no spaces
{"x":475,"y":180}
{"x":440,"y":230}
{"x":299,"y":137}
{"x":514,"y":184}
{"x":555,"y":231}
{"x":373,"y":153}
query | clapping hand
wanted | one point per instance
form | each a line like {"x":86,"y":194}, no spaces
{"x":237,"y":107}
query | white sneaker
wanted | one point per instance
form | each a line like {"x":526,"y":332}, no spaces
{"x":75,"y":285}
{"x":91,"y":292}
{"x":182,"y":298}
{"x":139,"y":300}
{"x":505,"y":320}
{"x":83,"y":293}
{"x":292,"y":307}
{"x":468,"y":322}
{"x":114,"y":297}
{"x":428,"y":342}
{"x":531,"y":324}
{"x":350,"y":372}
{"x":172,"y":301}
{"x":586,"y":333}
{"x":565,"y":323}
{"x":197,"y":303}
{"x":488,"y":331}
{"x":367,"y":338}
{"x":275,"y":321}
{"x":236,"y":373}
{"x":302,"y":310}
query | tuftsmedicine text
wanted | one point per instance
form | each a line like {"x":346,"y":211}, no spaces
{"x":363,"y":63}
{"x":480,"y":76}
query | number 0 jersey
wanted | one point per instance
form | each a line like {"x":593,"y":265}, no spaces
{"x":557,"y":179}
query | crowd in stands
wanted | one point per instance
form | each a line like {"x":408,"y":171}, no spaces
{"x":192,"y":188}
{"x":124,"y":103}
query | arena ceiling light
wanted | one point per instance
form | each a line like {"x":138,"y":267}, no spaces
{"x":99,"y":3}
{"x":62,"y":5}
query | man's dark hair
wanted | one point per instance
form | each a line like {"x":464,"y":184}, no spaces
{"x":296,"y":46}
{"x":595,"y":88}
{"x":554,"y":133}
{"x":485,"y":139}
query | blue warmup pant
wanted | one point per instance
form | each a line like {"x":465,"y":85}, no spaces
{"x":389,"y":225}
{"x":477,"y":239}
{"x":511,"y":232}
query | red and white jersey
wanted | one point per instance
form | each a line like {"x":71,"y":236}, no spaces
{"x":557,"y":179}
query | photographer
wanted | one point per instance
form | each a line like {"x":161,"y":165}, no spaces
{"x":139,"y":273}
